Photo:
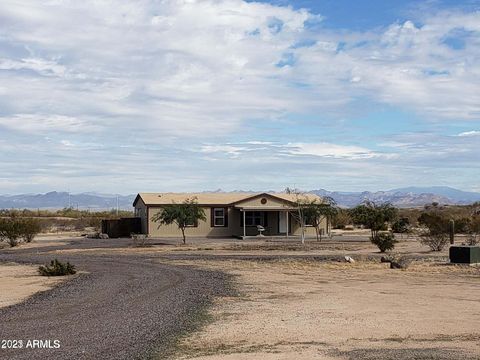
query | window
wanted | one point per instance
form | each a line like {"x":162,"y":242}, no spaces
{"x":219,"y":217}
{"x":254,"y":218}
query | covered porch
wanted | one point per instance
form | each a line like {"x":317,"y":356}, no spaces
{"x":275,"y":221}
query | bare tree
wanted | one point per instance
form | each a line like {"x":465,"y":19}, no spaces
{"x":316,"y":212}
{"x":299,"y":212}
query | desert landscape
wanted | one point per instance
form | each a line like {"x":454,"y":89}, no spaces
{"x":283,"y":300}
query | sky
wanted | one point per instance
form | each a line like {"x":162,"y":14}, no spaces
{"x":194,"y":95}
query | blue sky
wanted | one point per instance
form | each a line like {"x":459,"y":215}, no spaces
{"x":185,"y":95}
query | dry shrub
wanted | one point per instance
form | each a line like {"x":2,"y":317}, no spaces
{"x":139,"y":240}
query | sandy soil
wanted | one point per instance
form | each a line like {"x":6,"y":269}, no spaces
{"x":306,"y":310}
{"x":18,"y":282}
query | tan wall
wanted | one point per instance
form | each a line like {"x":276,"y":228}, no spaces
{"x":234,"y":228}
{"x":203,"y":229}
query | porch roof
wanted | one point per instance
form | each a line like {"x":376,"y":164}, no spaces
{"x":263,"y":208}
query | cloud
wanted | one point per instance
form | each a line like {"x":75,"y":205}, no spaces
{"x":278,"y":150}
{"x":41,"y":66}
{"x":169,"y":86}
{"x":45,"y":123}
{"x":470,"y":133}
{"x":190,"y":68}
{"x":329,"y":150}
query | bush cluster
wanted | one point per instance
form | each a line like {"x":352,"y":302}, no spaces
{"x":384,"y":241}
{"x":57,"y":268}
{"x":13,"y":230}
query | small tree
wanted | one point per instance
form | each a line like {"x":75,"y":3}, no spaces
{"x":318,"y":211}
{"x":183,"y":215}
{"x":376,"y":218}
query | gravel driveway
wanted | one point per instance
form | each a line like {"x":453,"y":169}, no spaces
{"x":125,"y":307}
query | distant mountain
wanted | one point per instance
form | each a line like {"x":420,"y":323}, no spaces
{"x":59,"y":200}
{"x":448,"y":192}
{"x":405,"y":197}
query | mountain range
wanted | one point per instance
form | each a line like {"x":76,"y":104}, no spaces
{"x":402,"y":197}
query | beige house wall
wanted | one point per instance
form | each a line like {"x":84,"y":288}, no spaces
{"x":204,"y":228}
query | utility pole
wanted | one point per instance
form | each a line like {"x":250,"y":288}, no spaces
{"x":117,"y":205}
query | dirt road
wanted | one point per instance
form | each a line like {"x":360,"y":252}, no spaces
{"x":128,"y":307}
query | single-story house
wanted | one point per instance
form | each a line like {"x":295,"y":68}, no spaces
{"x":228,"y":214}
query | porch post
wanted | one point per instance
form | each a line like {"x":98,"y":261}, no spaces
{"x":244,"y":228}
{"x":286,"y":215}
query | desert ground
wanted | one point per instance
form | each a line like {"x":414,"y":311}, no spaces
{"x":18,"y":282}
{"x":276,"y":299}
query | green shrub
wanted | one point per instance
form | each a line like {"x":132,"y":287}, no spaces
{"x":57,"y":268}
{"x":384,"y":241}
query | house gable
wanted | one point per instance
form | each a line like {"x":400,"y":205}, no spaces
{"x":263,"y":200}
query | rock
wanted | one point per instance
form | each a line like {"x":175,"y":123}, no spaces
{"x":386,"y":259}
{"x":349,"y":259}
{"x":103,"y":236}
{"x":402,"y":263}
{"x":93,"y":236}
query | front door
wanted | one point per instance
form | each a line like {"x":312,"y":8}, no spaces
{"x":282,"y":222}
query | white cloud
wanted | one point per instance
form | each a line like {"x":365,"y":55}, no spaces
{"x":226,"y":149}
{"x":42,"y":66}
{"x":44,"y":123}
{"x":143,"y":80}
{"x":329,"y":150}
{"x":264,"y":150}
{"x":470,"y":133}
{"x":202,"y":68}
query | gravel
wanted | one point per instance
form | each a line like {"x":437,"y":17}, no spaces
{"x":124,"y":307}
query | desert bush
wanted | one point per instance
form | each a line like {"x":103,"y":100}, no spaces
{"x":139,"y":240}
{"x":29,"y":228}
{"x":472,"y":240}
{"x":462,"y":225}
{"x":10,"y":231}
{"x":436,"y":241}
{"x":473,"y":231}
{"x":436,"y":232}
{"x":384,"y":241}
{"x":57,"y":268}
{"x":401,"y":226}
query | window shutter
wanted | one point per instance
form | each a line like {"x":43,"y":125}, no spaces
{"x":225,"y":213}
{"x":212,"y":217}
